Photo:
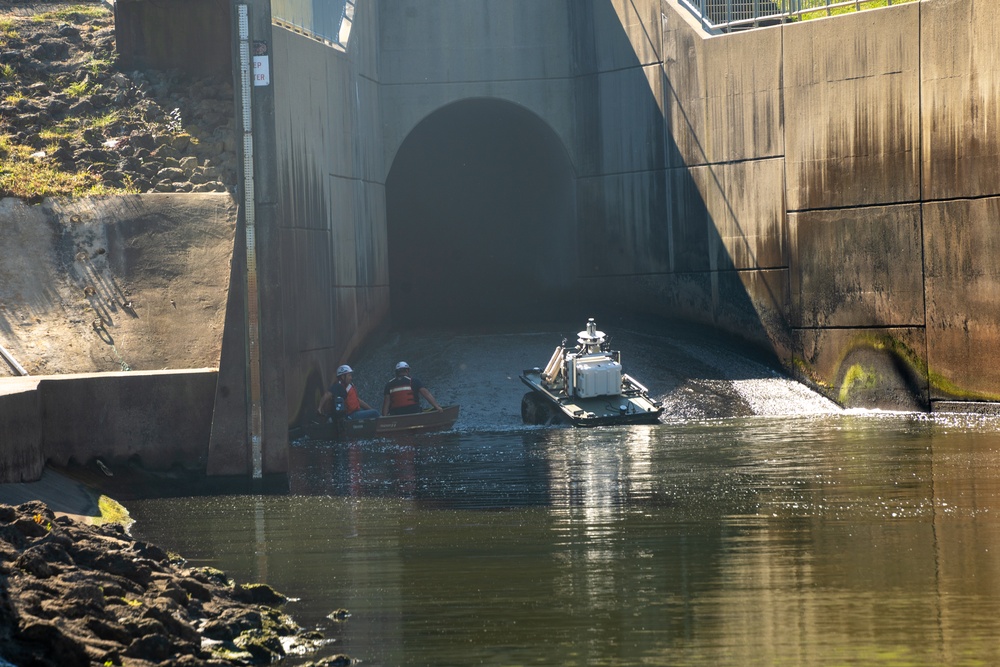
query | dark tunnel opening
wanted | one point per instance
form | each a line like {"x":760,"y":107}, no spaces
{"x":481,"y":215}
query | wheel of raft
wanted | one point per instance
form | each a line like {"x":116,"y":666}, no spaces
{"x":535,"y":410}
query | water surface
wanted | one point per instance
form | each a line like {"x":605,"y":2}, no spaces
{"x":757,"y":525}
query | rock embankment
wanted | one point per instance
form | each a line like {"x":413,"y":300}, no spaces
{"x":82,"y":126}
{"x":77,"y":595}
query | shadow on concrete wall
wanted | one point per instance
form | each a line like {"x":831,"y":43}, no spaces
{"x":490,"y":220}
{"x":683,"y":229}
{"x":481,"y":217}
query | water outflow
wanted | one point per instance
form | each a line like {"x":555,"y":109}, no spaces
{"x":695,"y":373}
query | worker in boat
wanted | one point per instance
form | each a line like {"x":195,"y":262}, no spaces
{"x":343,"y":397}
{"x":403,"y":393}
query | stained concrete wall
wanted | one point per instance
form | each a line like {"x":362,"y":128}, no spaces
{"x":331,"y":203}
{"x":717,"y":246}
{"x":102,"y":283}
{"x":898,"y":134}
{"x":814,"y":187}
{"x":960,"y":141}
{"x":858,"y":138}
{"x":353,"y":109}
{"x":434,"y":54}
{"x":22,"y":457}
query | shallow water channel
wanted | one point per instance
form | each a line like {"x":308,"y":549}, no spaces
{"x":758,"y":525}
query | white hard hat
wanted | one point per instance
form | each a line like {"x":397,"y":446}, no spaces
{"x":402,"y":365}
{"x":343,"y":370}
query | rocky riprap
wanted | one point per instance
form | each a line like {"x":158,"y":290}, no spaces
{"x":74,"y":595}
{"x":149,"y":131}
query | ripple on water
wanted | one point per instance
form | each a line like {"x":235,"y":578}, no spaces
{"x":756,"y":524}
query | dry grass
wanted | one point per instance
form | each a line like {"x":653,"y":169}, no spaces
{"x":31,"y":174}
{"x":73,"y":13}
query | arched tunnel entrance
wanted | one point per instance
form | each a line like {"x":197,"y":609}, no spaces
{"x":481,"y":215}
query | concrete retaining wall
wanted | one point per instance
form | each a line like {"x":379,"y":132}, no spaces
{"x":161,"y":419}
{"x":22,"y":457}
{"x":101,"y":283}
{"x":106,"y":283}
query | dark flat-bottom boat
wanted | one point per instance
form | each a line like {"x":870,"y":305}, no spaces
{"x":392,"y":425}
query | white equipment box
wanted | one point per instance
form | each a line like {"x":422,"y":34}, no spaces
{"x":598,"y":375}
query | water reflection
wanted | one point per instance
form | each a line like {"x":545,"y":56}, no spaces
{"x":815,"y":537}
{"x":829,"y":540}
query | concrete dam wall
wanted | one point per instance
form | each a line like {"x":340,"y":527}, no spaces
{"x":867,"y":161}
{"x":825,"y":189}
{"x":828,"y":190}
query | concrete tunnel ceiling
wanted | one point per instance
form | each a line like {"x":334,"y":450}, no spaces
{"x":481,"y":215}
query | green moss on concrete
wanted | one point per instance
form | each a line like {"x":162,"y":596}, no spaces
{"x":945,"y":387}
{"x":937,"y":382}
{"x":857,"y":377}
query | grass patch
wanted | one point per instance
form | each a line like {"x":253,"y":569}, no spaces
{"x":58,"y":132}
{"x":97,"y":65}
{"x":72,"y":129}
{"x":14,"y":98}
{"x":27,"y":177}
{"x":75,"y":13}
{"x":7,"y":72}
{"x":81,"y":88}
{"x":104,"y":120}
{"x":8,"y":31}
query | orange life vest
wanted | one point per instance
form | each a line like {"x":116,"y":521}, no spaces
{"x":402,"y":395}
{"x":352,"y":402}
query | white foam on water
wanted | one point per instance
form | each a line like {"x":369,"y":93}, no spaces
{"x":777,"y":396}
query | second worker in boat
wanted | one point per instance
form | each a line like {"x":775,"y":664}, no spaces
{"x":343,"y":397}
{"x":403,"y":393}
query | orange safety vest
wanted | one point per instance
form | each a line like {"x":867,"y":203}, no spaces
{"x":402,"y":395}
{"x":352,"y":402}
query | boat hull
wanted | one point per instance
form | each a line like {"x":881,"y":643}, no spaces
{"x":421,"y":422}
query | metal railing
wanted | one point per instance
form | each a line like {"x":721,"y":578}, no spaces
{"x":731,"y":15}
{"x":327,"y":21}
